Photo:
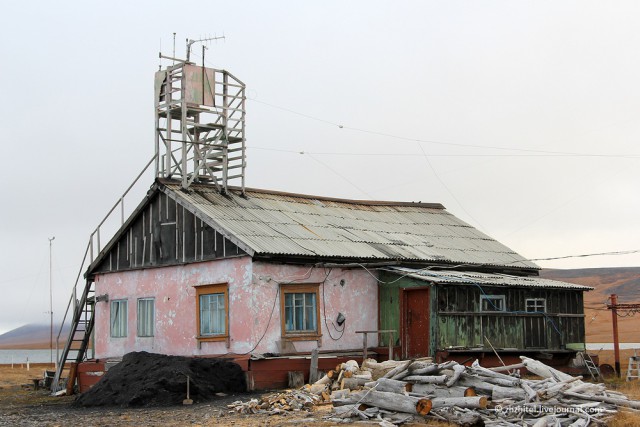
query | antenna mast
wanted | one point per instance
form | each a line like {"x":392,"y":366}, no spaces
{"x":205,"y":40}
{"x":200,"y":121}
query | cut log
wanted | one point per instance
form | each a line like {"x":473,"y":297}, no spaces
{"x":339,"y":394}
{"x":472,"y":402}
{"x":457,"y":371}
{"x":317,"y":388}
{"x":387,"y":384}
{"x":398,"y":369}
{"x":439,"y":391}
{"x":427,"y":379}
{"x":542,"y":370}
{"x":350,"y":366}
{"x":366,"y":375}
{"x":352,"y":383}
{"x":324,"y":380}
{"x":501,"y":393}
{"x":513,"y":382}
{"x":393,"y":401}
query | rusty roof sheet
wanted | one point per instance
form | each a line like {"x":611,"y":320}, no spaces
{"x":484,"y":279}
{"x":271,"y":223}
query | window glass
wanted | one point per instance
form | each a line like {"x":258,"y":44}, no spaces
{"x":146,"y":317}
{"x":119,"y":318}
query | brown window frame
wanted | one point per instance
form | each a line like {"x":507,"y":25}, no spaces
{"x":300,"y":289}
{"x":218,"y":288}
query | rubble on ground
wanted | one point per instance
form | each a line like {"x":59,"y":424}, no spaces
{"x":147,"y":379}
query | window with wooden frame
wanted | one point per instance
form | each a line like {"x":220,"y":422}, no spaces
{"x":119,"y":318}
{"x":212,"y":310}
{"x":146,"y":317}
{"x":300,"y":311}
{"x":536,"y":305}
{"x":492,"y":303}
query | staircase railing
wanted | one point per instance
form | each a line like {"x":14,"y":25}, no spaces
{"x":78,"y":307}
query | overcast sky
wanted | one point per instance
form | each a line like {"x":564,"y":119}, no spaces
{"x":520,"y":117}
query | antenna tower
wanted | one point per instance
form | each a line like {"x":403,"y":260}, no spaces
{"x":200,"y":123}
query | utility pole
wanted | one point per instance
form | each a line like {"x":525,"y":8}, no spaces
{"x":51,"y":297}
{"x":616,"y":343}
{"x":630,"y":309}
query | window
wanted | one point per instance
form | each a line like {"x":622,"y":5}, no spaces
{"x":212,"y":306}
{"x":119,"y":318}
{"x":536,"y":305}
{"x":300,"y":310}
{"x":146,"y":317}
{"x":490,"y":303}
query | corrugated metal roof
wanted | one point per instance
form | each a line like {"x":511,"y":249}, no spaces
{"x":271,"y":223}
{"x":473,"y":278}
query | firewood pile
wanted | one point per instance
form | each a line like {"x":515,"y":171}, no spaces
{"x":277,"y":403}
{"x":465,"y":395}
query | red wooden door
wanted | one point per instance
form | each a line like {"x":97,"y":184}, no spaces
{"x":416,"y":322}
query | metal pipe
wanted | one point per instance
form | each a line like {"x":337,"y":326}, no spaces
{"x":51,"y":298}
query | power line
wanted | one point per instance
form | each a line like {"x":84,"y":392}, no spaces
{"x":346,"y":154}
{"x":633,"y":251}
{"x":431,"y":141}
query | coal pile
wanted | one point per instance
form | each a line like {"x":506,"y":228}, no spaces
{"x":147,"y":379}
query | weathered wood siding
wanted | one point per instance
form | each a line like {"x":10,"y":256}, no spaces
{"x":166,"y":233}
{"x":456,"y":318}
{"x":462,"y":323}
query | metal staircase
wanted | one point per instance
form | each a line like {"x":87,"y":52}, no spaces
{"x":80,"y":310}
{"x":82,"y":321}
{"x":592,"y":368}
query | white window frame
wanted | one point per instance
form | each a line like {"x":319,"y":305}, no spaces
{"x":146,"y":317}
{"x":119,"y":316}
{"x":495,"y":303}
{"x":535,"y":304}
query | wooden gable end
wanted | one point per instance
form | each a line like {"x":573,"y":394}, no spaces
{"x":165,"y":233}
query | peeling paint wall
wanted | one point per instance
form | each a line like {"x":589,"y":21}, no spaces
{"x":254,"y":307}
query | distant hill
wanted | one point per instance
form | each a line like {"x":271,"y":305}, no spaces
{"x":31,"y":336}
{"x":623,"y":281}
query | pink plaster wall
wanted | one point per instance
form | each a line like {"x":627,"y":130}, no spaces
{"x":254,"y":323}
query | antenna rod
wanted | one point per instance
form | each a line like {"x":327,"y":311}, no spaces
{"x":174,"y":45}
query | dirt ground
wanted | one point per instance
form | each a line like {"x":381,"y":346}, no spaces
{"x":21,"y":405}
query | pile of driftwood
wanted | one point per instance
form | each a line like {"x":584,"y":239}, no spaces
{"x":465,"y":395}
{"x":277,"y":403}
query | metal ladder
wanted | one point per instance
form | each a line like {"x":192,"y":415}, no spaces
{"x":594,"y":371}
{"x":82,"y":322}
{"x":633,"y":371}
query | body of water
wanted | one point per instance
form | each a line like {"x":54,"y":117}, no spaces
{"x":609,"y":346}
{"x":34,"y":356}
